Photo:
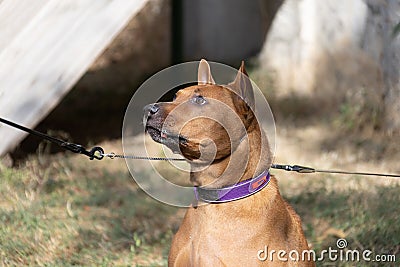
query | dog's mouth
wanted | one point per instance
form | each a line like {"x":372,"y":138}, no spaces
{"x":167,"y":138}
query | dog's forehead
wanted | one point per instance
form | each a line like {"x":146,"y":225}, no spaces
{"x":209,"y":90}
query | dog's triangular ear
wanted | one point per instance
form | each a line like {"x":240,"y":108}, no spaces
{"x":204,"y":73}
{"x":242,"y":86}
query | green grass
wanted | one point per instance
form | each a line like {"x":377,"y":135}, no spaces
{"x":366,"y":219}
{"x":63,"y":211}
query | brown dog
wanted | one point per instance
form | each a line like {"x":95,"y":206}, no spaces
{"x":215,"y":129}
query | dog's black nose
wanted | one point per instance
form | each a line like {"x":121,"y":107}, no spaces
{"x":151,"y":109}
{"x":154,"y":109}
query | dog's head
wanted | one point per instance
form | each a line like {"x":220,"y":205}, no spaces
{"x":205,"y":121}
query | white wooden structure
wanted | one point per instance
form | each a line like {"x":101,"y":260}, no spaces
{"x":45,"y":47}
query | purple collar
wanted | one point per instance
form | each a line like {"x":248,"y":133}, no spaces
{"x":234,"y":192}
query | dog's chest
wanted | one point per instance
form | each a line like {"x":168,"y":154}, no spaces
{"x":216,"y":241}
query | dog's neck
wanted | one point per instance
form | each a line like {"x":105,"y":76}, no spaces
{"x":250,"y":158}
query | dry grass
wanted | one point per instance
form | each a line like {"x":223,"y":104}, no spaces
{"x":72,"y":211}
{"x":64,"y":210}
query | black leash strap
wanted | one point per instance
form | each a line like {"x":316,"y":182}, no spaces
{"x":98,"y":153}
{"x":94,"y":153}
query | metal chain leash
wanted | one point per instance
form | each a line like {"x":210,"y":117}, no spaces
{"x":112,"y":155}
{"x":98,"y":153}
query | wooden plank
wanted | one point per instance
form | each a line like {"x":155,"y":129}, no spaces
{"x":14,"y":15}
{"x":49,"y":49}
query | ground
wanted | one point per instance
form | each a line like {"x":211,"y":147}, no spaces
{"x":64,"y":209}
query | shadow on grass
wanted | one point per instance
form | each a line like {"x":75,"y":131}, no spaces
{"x":350,"y":125}
{"x":297,"y":109}
{"x":367,"y":220}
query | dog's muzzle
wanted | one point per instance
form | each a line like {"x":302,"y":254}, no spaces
{"x":154,"y":125}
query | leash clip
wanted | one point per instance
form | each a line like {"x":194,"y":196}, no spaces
{"x":95,"y":153}
{"x":302,"y":169}
{"x":293,"y":168}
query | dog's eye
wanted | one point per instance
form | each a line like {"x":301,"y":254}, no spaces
{"x":199,"y":100}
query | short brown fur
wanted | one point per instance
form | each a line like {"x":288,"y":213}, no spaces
{"x":232,"y":233}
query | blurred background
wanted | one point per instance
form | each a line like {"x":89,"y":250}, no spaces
{"x":329,"y":69}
